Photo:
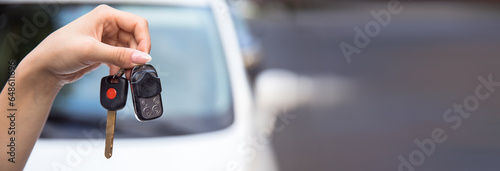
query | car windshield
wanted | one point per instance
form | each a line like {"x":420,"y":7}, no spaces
{"x":188,"y":56}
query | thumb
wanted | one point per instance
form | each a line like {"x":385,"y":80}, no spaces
{"x":119,"y":56}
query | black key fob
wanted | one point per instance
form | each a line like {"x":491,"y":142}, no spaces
{"x":113,"y":92}
{"x":146,"y":92}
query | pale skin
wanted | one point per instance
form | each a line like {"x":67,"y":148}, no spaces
{"x":102,"y":36}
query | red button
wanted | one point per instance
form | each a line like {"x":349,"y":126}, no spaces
{"x":111,"y":93}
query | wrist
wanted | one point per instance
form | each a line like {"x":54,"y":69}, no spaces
{"x":36,"y":77}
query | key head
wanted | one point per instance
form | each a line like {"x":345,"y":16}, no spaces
{"x":146,"y":92}
{"x":113,"y":92}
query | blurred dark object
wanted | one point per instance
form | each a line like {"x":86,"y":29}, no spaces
{"x":290,"y":4}
{"x":293,"y":5}
{"x":20,"y":34}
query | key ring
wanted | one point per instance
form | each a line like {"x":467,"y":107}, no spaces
{"x":119,"y":73}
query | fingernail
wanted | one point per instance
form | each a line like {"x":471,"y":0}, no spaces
{"x":139,"y":57}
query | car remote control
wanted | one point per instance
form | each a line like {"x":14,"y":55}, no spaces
{"x":146,"y":92}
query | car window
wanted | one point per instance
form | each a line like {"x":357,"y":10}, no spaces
{"x":189,"y":58}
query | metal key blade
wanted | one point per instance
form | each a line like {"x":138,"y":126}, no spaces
{"x":110,"y":133}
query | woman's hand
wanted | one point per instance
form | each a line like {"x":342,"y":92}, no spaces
{"x":104,"y":35}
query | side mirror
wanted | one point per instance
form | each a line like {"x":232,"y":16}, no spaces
{"x":279,"y":88}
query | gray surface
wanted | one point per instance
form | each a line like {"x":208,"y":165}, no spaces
{"x":427,"y":59}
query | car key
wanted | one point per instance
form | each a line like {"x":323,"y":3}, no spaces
{"x":146,"y":92}
{"x":113,"y":97}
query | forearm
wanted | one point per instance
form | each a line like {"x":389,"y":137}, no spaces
{"x":35,"y":90}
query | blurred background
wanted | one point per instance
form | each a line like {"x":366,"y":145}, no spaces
{"x":425,"y":60}
{"x":364,"y":114}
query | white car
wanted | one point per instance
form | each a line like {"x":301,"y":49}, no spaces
{"x":210,"y":121}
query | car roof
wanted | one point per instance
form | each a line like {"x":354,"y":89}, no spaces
{"x":142,"y":2}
